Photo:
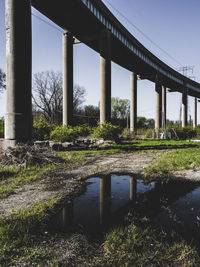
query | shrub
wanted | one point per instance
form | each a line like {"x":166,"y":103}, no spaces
{"x":107,"y":131}
{"x":42,"y":129}
{"x":198,"y":131}
{"x":83,"y":130}
{"x":63,"y":134}
{"x":1,"y":128}
{"x":127,"y":134}
{"x":69,"y":133}
{"x":149,"y":133}
{"x":186,"y":133}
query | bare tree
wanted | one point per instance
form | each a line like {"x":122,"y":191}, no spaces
{"x":2,"y":80}
{"x":78,"y":97}
{"x":48,"y":96}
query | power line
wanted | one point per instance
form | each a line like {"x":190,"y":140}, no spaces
{"x":46,"y":22}
{"x":147,"y":37}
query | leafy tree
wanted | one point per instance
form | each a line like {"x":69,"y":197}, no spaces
{"x":119,"y":108}
{"x":92,"y":111}
{"x":48,"y":95}
{"x":143,"y":122}
{"x":2,"y":80}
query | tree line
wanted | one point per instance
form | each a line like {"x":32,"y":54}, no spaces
{"x":47,"y":98}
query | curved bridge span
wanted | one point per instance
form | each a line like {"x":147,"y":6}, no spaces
{"x":87,"y":20}
{"x":90,"y":22}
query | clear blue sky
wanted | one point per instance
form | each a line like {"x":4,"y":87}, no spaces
{"x":171,"y":24}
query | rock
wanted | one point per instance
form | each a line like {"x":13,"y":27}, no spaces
{"x":67,"y":145}
{"x":41,"y":143}
{"x":99,"y":142}
{"x":107,"y":143}
{"x":56,"y":146}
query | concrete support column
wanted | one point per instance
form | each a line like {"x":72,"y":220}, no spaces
{"x":158,"y":118}
{"x":18,"y":117}
{"x":164,"y":107}
{"x":67,"y":79}
{"x":195,"y":113}
{"x":68,"y":214}
{"x":105,"y":195}
{"x":133,"y":103}
{"x":184,"y":108}
{"x":105,"y":76}
{"x":133,"y":188}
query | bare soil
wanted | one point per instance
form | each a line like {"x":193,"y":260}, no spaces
{"x":68,"y":183}
{"x":72,"y":249}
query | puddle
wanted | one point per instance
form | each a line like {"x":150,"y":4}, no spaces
{"x":170,"y":204}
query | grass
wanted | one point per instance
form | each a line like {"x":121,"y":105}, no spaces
{"x":13,"y":178}
{"x":20,"y":233}
{"x":182,"y":159}
{"x":10,"y":179}
{"x":135,"y":246}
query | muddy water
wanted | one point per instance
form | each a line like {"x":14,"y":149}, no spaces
{"x":169,"y":204}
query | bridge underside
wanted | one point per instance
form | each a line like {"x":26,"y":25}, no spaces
{"x":71,"y":16}
{"x":102,"y":33}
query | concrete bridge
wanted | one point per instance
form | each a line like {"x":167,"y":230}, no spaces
{"x":90,"y":22}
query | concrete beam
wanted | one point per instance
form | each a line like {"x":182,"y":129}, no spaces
{"x":158,"y":117}
{"x":67,"y":79}
{"x":18,"y":117}
{"x":133,"y":103}
{"x":195,"y":113}
{"x":105,"y":76}
{"x":184,"y":108}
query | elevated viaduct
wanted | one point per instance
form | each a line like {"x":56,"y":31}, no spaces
{"x":90,"y":22}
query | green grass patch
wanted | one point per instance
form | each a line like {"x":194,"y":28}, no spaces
{"x":135,"y":246}
{"x":179,"y":159}
{"x":10,"y":179}
{"x":13,"y":178}
{"x":20,"y":233}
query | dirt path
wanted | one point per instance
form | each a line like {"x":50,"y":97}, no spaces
{"x":69,"y":183}
{"x":73,"y":249}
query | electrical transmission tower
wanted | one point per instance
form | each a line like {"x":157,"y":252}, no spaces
{"x":186,"y":71}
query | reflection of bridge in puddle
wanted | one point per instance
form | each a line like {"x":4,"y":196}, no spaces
{"x":108,"y":197}
{"x":103,"y":201}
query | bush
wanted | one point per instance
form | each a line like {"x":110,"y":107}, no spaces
{"x":149,"y":133}
{"x":198,"y":131}
{"x":186,"y":133}
{"x":127,"y":134}
{"x":42,"y":129}
{"x":64,"y":134}
{"x":83,"y":130}
{"x":69,"y":133}
{"x":107,"y":131}
{"x":1,"y":128}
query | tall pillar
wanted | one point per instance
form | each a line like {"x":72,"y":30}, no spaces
{"x":133,"y":103}
{"x":158,"y":119}
{"x":133,"y":188}
{"x":18,"y":117}
{"x":184,"y":108}
{"x":105,"y":75}
{"x":164,"y":107}
{"x":68,"y":78}
{"x":195,"y":113}
{"x":68,"y":214}
{"x":105,"y":195}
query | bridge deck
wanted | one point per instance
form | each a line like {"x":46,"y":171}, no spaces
{"x":87,"y":19}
